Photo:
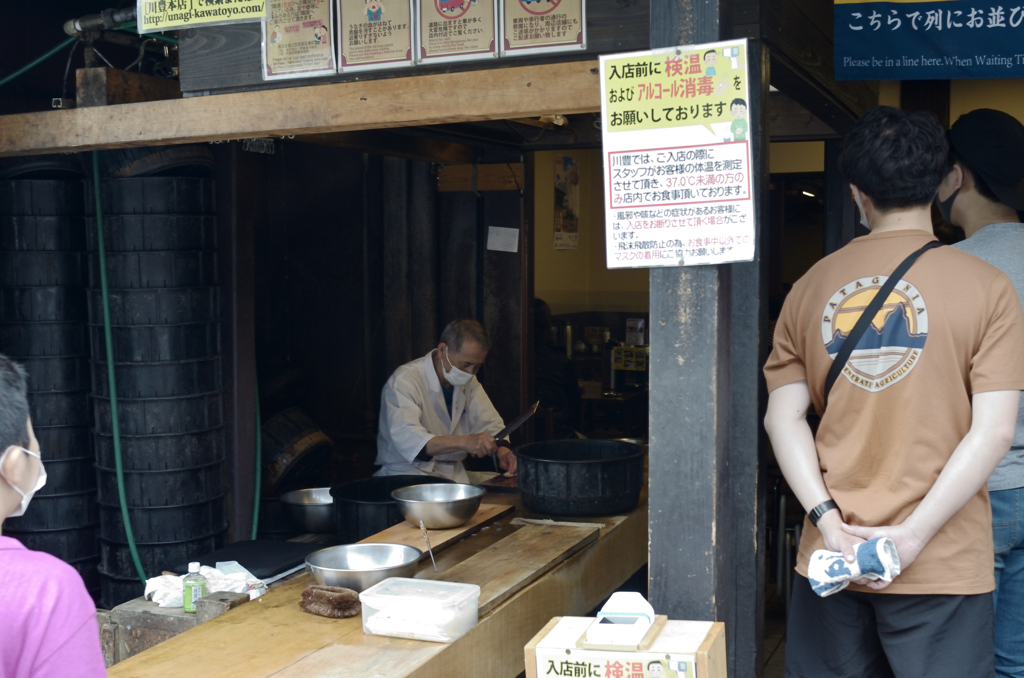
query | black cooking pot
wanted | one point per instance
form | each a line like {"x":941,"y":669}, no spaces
{"x":362,"y":508}
{"x":580,"y":477}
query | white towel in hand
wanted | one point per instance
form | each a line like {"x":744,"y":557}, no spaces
{"x":828,"y":572}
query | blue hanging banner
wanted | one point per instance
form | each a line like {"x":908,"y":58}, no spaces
{"x":936,"y":40}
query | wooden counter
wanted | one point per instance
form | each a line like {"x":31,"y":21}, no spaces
{"x":271,"y":636}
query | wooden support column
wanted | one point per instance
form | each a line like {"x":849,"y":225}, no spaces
{"x":240,"y":204}
{"x":397,"y":299}
{"x":706,"y":480}
{"x":839,"y":207}
{"x":423,"y":276}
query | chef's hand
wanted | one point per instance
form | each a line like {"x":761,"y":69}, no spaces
{"x":507,"y":460}
{"x":481,"y":445}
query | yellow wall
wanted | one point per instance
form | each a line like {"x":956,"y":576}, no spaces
{"x":1002,"y":95}
{"x":578,"y":280}
{"x":796,"y":156}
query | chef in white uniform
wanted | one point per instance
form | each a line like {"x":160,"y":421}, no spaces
{"x":434,"y":412}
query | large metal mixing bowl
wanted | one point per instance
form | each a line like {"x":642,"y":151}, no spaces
{"x":360,"y":566}
{"x":312,"y":510}
{"x":438,"y":506}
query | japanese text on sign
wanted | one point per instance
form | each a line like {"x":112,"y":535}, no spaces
{"x":297,"y":39}
{"x":678,"y":169}
{"x":164,"y":15}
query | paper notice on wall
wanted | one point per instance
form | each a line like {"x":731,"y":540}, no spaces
{"x":679,"y":188}
{"x":540,"y":26}
{"x":502,"y":239}
{"x":298,"y":40}
{"x":457,"y":30}
{"x":168,"y":15}
{"x":567,"y":202}
{"x":375,"y":34}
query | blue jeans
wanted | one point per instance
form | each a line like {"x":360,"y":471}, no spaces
{"x":1008,"y":533}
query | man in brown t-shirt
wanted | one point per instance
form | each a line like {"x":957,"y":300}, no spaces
{"x":921,"y":414}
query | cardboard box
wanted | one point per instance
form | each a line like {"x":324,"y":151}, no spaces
{"x":683,"y":649}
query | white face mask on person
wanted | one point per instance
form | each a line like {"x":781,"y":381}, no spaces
{"x":25,"y":497}
{"x":456,"y":377}
{"x":860,"y":209}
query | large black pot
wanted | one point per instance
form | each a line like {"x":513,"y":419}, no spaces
{"x":580,"y":477}
{"x":362,"y":508}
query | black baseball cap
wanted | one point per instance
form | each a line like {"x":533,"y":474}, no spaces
{"x":991,"y":144}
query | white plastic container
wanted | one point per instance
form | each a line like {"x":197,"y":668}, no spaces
{"x":420,"y":609}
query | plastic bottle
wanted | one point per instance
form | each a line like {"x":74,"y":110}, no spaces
{"x":194,"y":587}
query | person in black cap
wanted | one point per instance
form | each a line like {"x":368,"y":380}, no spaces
{"x":983,"y":194}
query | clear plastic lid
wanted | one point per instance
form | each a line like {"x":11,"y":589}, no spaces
{"x":193,"y":567}
{"x":420,"y":592}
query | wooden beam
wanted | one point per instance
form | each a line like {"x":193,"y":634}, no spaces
{"x":498,"y":177}
{"x":520,"y":92}
{"x":109,"y":86}
{"x":397,"y":145}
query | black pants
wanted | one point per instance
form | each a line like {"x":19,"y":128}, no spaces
{"x":877,"y":635}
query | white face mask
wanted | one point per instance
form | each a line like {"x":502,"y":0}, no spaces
{"x":456,"y":377}
{"x":860,"y":208}
{"x":25,"y":498}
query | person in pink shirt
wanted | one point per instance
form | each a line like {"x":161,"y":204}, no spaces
{"x":48,"y":625}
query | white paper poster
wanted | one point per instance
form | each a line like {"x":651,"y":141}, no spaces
{"x":679,"y":188}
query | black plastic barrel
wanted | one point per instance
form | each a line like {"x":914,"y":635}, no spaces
{"x":57,"y":512}
{"x":59,"y":408}
{"x":69,"y":545}
{"x":163,"y":523}
{"x":38,"y":234}
{"x":157,"y":306}
{"x":154,"y":195}
{"x":144,"y":489}
{"x":43,"y":339}
{"x":159,"y":379}
{"x":42,"y":304}
{"x":116,"y":559}
{"x":144,"y":270}
{"x":42,"y":269}
{"x":76,"y":474}
{"x":41,"y":197}
{"x":154,"y":232}
{"x":363,"y":508}
{"x":57,"y":373}
{"x":580,"y":477}
{"x":157,"y":343}
{"x":161,"y":452}
{"x":154,"y":416}
{"x":64,"y":442}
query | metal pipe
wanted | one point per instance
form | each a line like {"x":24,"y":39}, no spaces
{"x":108,"y":18}
{"x":29,"y":66}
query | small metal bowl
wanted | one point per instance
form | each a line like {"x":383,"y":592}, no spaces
{"x":312,"y":510}
{"x":438,"y":506}
{"x":360,"y":566}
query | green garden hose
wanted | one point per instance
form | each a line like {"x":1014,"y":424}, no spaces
{"x":259,"y":461}
{"x":32,"y":64}
{"x":111,"y":380}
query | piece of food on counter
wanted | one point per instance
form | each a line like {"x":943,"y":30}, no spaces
{"x":330,"y":601}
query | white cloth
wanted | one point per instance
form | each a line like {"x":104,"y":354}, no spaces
{"x":412,"y":411}
{"x":828,"y":572}
{"x":167,"y":590}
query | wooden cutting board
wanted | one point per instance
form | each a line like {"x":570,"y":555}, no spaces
{"x":519,"y":559}
{"x":405,"y":533}
{"x":501,"y":484}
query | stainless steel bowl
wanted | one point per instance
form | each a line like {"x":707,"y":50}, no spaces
{"x":438,"y":506}
{"x":360,"y":566}
{"x":312,"y":510}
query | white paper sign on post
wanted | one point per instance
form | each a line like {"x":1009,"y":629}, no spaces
{"x":679,"y":184}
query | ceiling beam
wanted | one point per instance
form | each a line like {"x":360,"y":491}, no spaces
{"x":469,"y":96}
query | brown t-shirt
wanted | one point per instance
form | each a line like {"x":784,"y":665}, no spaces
{"x":951,"y":328}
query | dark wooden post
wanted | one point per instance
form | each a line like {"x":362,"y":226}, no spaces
{"x":839,"y":207}
{"x":706,"y":487}
{"x":240,"y":204}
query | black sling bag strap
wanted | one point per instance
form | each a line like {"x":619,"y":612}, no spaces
{"x":865,"y":318}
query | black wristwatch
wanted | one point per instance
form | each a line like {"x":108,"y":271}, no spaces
{"x":821,"y":509}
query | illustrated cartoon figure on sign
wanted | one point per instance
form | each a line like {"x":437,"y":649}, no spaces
{"x":657,"y":669}
{"x":276,"y":36}
{"x":738,"y":108}
{"x":321,"y":36}
{"x":710,"y":60}
{"x":374,"y":9}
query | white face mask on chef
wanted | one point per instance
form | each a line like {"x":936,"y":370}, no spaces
{"x":456,"y":377}
{"x":25,"y":498}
